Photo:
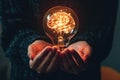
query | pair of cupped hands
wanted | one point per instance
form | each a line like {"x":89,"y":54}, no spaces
{"x":46,"y":58}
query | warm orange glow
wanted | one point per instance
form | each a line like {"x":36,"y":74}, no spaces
{"x":61,"y":22}
{"x":60,"y":25}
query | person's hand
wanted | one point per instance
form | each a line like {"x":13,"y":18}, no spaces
{"x":71,"y":62}
{"x":44,"y":57}
{"x":83,"y":49}
{"x":74,"y":57}
{"x":36,"y":47}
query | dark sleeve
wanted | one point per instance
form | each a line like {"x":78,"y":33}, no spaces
{"x":18,"y":28}
{"x":98,"y":27}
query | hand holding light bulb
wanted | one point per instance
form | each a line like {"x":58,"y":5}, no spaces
{"x":44,"y":58}
{"x":60,"y":25}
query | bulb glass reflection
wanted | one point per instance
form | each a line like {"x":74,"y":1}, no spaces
{"x":60,"y":24}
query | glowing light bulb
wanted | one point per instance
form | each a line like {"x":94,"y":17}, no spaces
{"x":60,"y":25}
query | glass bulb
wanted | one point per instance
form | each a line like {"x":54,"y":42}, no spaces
{"x":60,"y":25}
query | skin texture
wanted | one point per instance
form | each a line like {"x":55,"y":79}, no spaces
{"x":44,"y":57}
{"x":36,"y":47}
{"x":83,"y":49}
{"x":75,"y":57}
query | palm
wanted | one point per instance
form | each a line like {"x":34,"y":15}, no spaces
{"x":83,"y":49}
{"x":74,"y":57}
{"x":43,"y":57}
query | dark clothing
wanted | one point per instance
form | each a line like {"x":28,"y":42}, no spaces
{"x":22,"y":24}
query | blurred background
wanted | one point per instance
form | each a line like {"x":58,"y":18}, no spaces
{"x":112,"y":61}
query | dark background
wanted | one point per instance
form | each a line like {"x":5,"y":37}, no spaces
{"x":113,"y":60}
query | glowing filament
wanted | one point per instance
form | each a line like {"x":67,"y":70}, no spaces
{"x":61,"y":22}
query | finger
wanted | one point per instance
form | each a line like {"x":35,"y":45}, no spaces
{"x":43,"y":66}
{"x":53,"y":64}
{"x":61,"y":65}
{"x":31,"y":63}
{"x":77,"y":57}
{"x":38,"y":59}
{"x":72,"y":64}
{"x":33,"y":50}
{"x":65,"y":64}
{"x":84,"y":56}
{"x":87,"y":54}
{"x":30,"y":50}
{"x":79,"y":61}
